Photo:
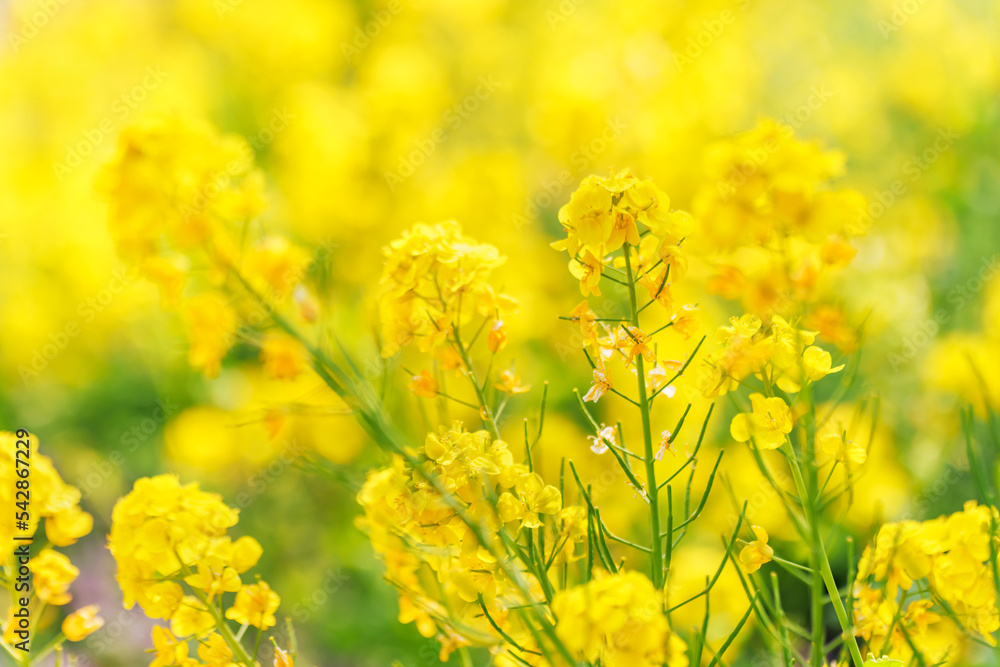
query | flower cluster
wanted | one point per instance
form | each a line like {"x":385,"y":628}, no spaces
{"x":624,"y":213}
{"x":181,"y":198}
{"x":604,"y":214}
{"x":176,"y":181}
{"x":618,"y":621}
{"x":31,"y":488}
{"x":769,"y":225}
{"x":176,"y":560}
{"x":932,"y":574}
{"x":435,"y":280}
{"x":416,"y":529}
{"x":776,"y":352}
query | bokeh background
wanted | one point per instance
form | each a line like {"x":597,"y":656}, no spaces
{"x":368,"y":117}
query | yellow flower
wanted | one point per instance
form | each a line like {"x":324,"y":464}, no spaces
{"x":920,"y":615}
{"x":164,"y":185}
{"x":214,"y":582}
{"x":424,"y":385}
{"x":169,"y":651}
{"x":816,"y":363}
{"x":66,"y":526}
{"x":211,"y":329}
{"x":245,"y":554}
{"x":82,"y":623}
{"x":191,"y":618}
{"x":282,"y":659}
{"x":162,"y":599}
{"x":171,"y":274}
{"x":538,"y":498}
{"x":435,"y":279}
{"x":757,"y":552}
{"x":255,"y":605}
{"x":510,"y":383}
{"x":636,"y":341}
{"x":602,"y":383}
{"x":615,"y":619}
{"x":588,"y":323}
{"x":950,"y":554}
{"x":587,"y":268}
{"x":161,"y":531}
{"x":53,"y":573}
{"x":283,"y":356}
{"x":497,"y":338}
{"x":849,"y":452}
{"x":215,"y":652}
{"x":587,"y":217}
{"x":767,"y":425}
{"x":277,"y":266}
{"x":623,"y":230}
{"x":685,"y":320}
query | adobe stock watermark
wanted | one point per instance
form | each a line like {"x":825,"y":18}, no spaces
{"x":35,"y":23}
{"x":763,"y":493}
{"x":220,"y":180}
{"x":363,"y":35}
{"x":268,"y":473}
{"x":957,"y":297}
{"x":901,"y":14}
{"x":913,"y":170}
{"x":262,"y":311}
{"x":609,"y":306}
{"x":790,"y":122}
{"x":303,"y":611}
{"x":121,"y":108}
{"x":711,"y":29}
{"x":451,"y":120}
{"x":223,"y":7}
{"x":111,"y":633}
{"x":563,"y":11}
{"x":934,"y":493}
{"x":91,"y":479}
{"x":580,"y":160}
{"x":88,"y":310}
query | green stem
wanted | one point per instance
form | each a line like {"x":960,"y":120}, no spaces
{"x":224,"y":630}
{"x":480,"y":396}
{"x":367,"y":409}
{"x":656,"y":566}
{"x":821,"y":564}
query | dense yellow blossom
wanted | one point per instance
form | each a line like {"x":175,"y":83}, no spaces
{"x":436,"y":280}
{"x":164,"y":535}
{"x":366,"y":117}
{"x":618,"y":621}
{"x":769,"y":223}
{"x":413,"y":527}
{"x":917,"y":575}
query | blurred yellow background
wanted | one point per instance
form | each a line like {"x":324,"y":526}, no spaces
{"x":368,"y":117}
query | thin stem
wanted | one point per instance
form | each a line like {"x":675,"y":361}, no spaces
{"x":487,"y":414}
{"x":370,"y":414}
{"x":822,"y":563}
{"x":656,"y":565}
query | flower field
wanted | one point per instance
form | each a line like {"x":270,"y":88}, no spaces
{"x":567,"y":333}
